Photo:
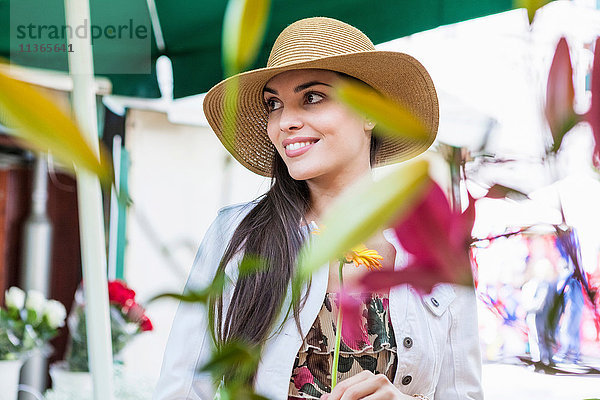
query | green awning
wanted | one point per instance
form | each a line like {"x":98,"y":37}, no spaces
{"x":192,"y":33}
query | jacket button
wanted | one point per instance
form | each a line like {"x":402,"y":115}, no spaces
{"x":407,"y":342}
{"x":435,"y":302}
{"x":406,"y":380}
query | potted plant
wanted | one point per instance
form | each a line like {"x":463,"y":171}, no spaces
{"x":27,"y":323}
{"x":127,"y":318}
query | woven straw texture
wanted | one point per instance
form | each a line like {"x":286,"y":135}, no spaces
{"x":323,"y":43}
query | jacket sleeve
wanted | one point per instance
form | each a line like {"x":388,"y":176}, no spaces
{"x":460,"y":375}
{"x":190,"y":343}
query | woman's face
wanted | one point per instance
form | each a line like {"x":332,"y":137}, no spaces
{"x":315,"y":134}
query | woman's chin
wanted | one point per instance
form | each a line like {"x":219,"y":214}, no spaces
{"x":302,"y":174}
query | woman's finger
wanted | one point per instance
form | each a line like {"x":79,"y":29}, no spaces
{"x":371,"y":386}
{"x":338,"y":392}
{"x":388,"y":392}
{"x":384,"y":395}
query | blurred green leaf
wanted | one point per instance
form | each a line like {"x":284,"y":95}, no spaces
{"x":240,"y":393}
{"x":230,"y":105}
{"x":244,"y":29}
{"x":233,"y":364}
{"x":531,"y":6}
{"x":249,"y":395}
{"x":236,"y":356}
{"x":45,"y":127}
{"x":392,"y":116}
{"x":360,"y":211}
{"x":197,"y":296}
{"x":251,"y":264}
{"x":222,"y":393}
{"x":233,"y":352}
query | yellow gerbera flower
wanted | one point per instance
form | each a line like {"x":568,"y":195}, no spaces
{"x":367,"y":257}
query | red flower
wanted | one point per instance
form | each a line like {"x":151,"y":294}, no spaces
{"x":560,"y":94}
{"x":438,"y":240}
{"x":120,"y":294}
{"x":135,"y":312}
{"x":146,"y":324}
{"x":593,"y":115}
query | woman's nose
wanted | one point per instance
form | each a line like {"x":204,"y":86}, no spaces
{"x":290,"y":119}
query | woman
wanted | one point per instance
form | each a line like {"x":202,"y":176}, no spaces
{"x":290,"y":127}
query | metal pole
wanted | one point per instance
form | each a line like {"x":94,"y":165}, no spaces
{"x":35,"y":265}
{"x":89,"y":197}
{"x":113,"y":234}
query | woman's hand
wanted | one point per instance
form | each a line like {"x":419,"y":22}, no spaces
{"x":368,"y":386}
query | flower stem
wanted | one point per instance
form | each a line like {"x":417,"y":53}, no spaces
{"x":338,"y":331}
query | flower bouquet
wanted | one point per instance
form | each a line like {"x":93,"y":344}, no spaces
{"x":28,"y":323}
{"x":127,"y":319}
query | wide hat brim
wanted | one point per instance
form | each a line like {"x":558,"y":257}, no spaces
{"x":394,"y":74}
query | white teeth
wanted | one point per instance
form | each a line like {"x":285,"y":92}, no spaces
{"x":297,"y":145}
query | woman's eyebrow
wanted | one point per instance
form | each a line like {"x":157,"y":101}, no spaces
{"x":298,"y":88}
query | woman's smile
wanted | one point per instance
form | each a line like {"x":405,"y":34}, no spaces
{"x":295,"y":147}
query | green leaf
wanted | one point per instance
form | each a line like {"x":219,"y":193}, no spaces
{"x":246,"y":393}
{"x":244,"y":29}
{"x":251,"y":264}
{"x":238,"y":393}
{"x":531,"y":5}
{"x":236,"y":356}
{"x":32,"y":317}
{"x":44,"y":127}
{"x":360,"y":211}
{"x":197,"y":296}
{"x":395,"y":118}
{"x":222,"y":393}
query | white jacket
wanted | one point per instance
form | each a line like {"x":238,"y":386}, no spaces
{"x":437,"y":337}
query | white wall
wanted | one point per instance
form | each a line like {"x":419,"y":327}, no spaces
{"x":175,"y":182}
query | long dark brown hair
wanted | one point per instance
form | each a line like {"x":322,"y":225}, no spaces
{"x":271,"y":231}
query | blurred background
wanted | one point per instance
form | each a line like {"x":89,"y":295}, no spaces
{"x":490,"y":68}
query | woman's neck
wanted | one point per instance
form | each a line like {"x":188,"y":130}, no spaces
{"x":324,"y":191}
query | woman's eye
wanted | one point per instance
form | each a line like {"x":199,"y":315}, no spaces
{"x":313,"y":97}
{"x":272,"y":104}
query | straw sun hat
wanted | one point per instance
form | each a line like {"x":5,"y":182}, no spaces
{"x":323,"y":43}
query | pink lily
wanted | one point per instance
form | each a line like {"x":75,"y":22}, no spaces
{"x":560,"y":95}
{"x":593,"y":115}
{"x":354,"y":326}
{"x":438,"y":241}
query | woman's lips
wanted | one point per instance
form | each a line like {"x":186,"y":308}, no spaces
{"x":300,"y":151}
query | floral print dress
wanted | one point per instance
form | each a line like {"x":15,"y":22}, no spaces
{"x":373,"y":350}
